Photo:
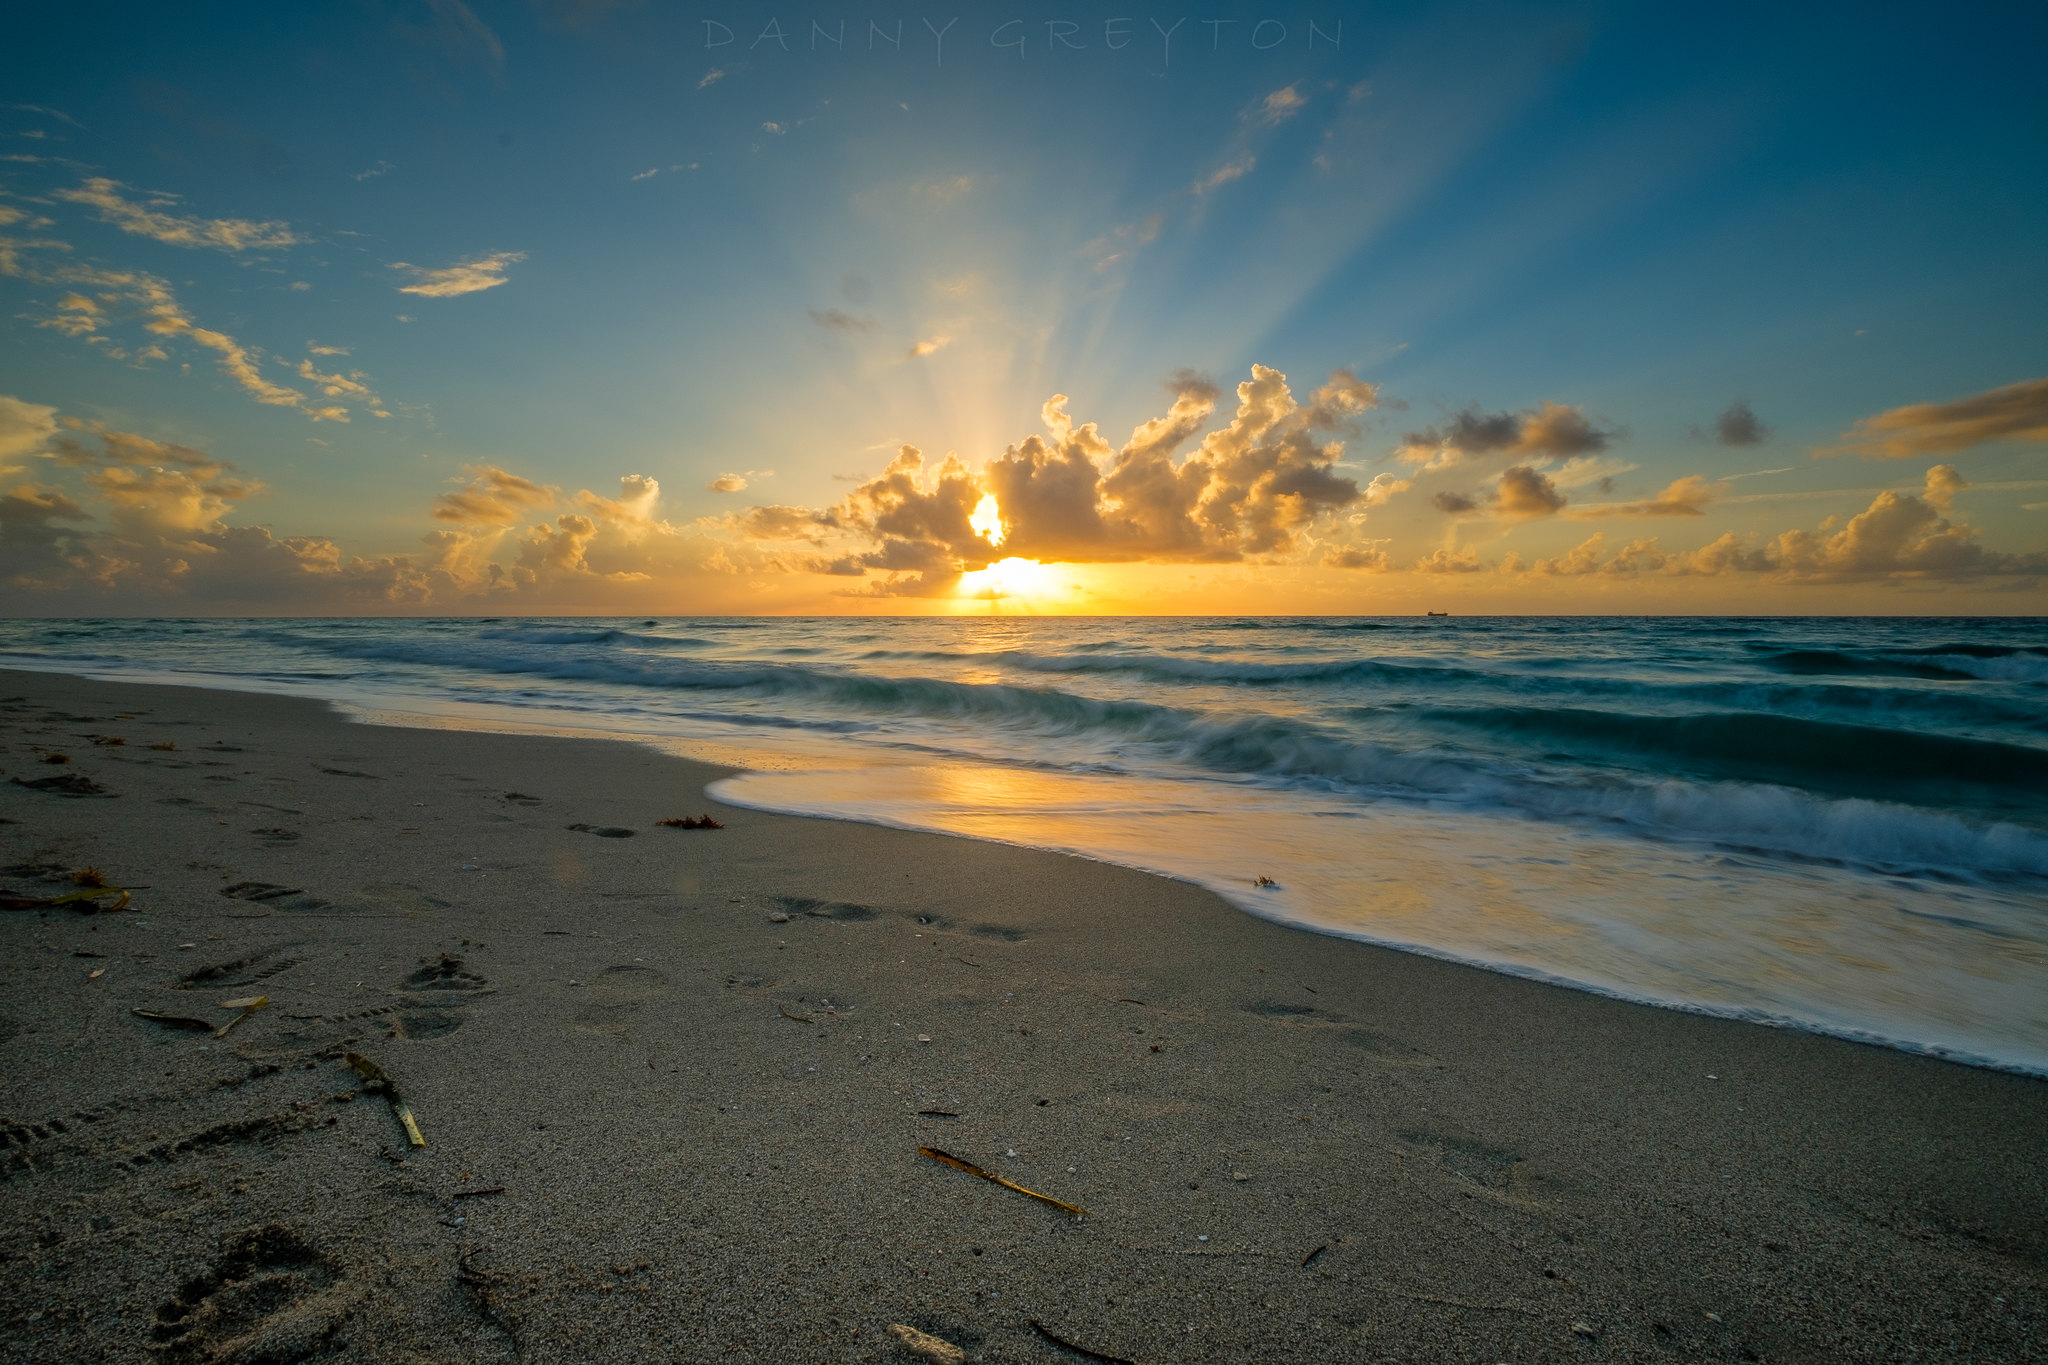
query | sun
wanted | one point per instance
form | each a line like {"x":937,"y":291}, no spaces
{"x":1023,"y":580}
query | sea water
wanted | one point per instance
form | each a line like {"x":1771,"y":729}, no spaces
{"x":1836,"y":824}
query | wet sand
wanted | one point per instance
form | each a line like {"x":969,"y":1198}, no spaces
{"x":673,"y":1086}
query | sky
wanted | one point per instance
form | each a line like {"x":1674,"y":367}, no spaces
{"x":602,"y":306}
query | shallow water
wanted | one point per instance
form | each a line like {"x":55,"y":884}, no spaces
{"x":1841,"y":824}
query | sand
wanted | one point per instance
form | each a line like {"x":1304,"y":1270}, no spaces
{"x":673,"y":1088}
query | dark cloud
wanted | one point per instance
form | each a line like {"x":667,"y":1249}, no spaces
{"x":1453,"y":504}
{"x":1551,"y":429}
{"x":834,"y":320}
{"x":1738,"y":426}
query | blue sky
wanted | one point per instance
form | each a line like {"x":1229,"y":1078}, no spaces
{"x":707,"y":248}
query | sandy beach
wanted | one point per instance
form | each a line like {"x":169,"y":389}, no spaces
{"x":673,"y":1084}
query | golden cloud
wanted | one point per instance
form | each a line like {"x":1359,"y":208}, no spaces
{"x":150,"y":220}
{"x":464,"y":277}
{"x":2017,"y":412}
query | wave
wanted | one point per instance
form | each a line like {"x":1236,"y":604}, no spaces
{"x":1818,"y":752}
{"x":1941,"y":663}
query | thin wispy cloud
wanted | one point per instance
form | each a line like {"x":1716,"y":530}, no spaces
{"x":152,"y":220}
{"x":465,"y":277}
{"x":47,"y":112}
{"x":1223,"y":175}
{"x":1278,"y":107}
{"x":711,"y":77}
{"x":381,"y":168}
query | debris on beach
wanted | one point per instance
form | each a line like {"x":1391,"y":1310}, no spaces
{"x":63,"y":784}
{"x":478,"y":1194}
{"x":788,"y":1013}
{"x":690,"y":822}
{"x":1265,"y":882}
{"x":949,"y":1159}
{"x":169,"y":746}
{"x":87,"y":900}
{"x":248,"y":1005}
{"x":374,"y":1074}
{"x":604,"y":831}
{"x":926,"y":1345}
{"x":1076,"y":1347}
{"x":107,"y":741}
{"x":778,"y":916}
{"x":184,"y":1021}
{"x":56,"y":758}
{"x":1314,"y":1256}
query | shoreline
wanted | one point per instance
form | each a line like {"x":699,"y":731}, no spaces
{"x":741,"y":762}
{"x":1472,"y":1163}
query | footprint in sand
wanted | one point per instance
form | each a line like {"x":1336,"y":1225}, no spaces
{"x":274,"y":896}
{"x":615,"y":997}
{"x":268,"y":1296}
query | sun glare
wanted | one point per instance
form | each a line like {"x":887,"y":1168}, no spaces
{"x":988,"y":522}
{"x":1023,"y":580}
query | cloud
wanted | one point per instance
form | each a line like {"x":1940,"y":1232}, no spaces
{"x":727,"y":483}
{"x":1224,"y":174}
{"x":1738,"y":426}
{"x":711,"y":77}
{"x":1453,"y":504}
{"x":1551,"y":429}
{"x":465,"y":277}
{"x":834,"y":320}
{"x":149,"y":526}
{"x":148,"y":299}
{"x":1254,"y":488}
{"x":24,"y":429}
{"x":46,"y":112}
{"x":1899,"y":537}
{"x":647,"y":174}
{"x":1365,"y":558}
{"x":315,"y":348}
{"x":1445,"y":560}
{"x":1524,"y":493}
{"x":381,"y":168}
{"x":149,"y":220}
{"x":492,"y":497}
{"x":1382,"y":488}
{"x":1943,"y":483}
{"x":1278,"y":107}
{"x":1686,"y":497}
{"x":924,"y":348}
{"x":2017,"y":412}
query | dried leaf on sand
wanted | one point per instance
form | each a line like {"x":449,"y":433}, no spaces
{"x":949,"y":1159}
{"x":373,"y":1073}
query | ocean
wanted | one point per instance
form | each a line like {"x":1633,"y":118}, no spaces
{"x":1831,"y":824}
